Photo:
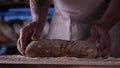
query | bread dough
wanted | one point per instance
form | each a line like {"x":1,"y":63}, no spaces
{"x":55,"y":48}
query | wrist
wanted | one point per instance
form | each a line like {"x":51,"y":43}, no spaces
{"x":106,"y":24}
{"x":105,"y":28}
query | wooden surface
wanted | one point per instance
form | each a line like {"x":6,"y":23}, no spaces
{"x":17,"y":61}
{"x":52,"y":66}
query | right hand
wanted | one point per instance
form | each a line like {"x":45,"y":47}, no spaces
{"x":28,"y":33}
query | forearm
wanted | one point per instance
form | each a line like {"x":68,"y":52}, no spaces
{"x":39,"y":10}
{"x":111,"y":16}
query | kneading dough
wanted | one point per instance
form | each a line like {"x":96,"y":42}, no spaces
{"x":55,"y":48}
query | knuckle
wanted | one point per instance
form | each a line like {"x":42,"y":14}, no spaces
{"x":22,"y":29}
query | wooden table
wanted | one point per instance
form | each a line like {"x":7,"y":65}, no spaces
{"x":17,"y":61}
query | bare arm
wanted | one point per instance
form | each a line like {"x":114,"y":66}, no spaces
{"x":39,"y":10}
{"x":111,"y":16}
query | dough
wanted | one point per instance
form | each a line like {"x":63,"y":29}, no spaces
{"x":55,"y":48}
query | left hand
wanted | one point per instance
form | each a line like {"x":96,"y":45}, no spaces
{"x":99,"y":34}
{"x":28,"y":33}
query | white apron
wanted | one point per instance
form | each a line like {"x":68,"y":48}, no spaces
{"x":73,"y":18}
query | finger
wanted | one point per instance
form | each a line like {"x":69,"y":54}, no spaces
{"x":23,"y":37}
{"x":104,"y":43}
{"x":108,"y":47}
{"x":100,"y":49}
{"x":22,"y":46}
{"x":106,"y":52}
{"x":19,"y":45}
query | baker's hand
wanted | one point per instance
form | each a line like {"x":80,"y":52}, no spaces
{"x":27,"y":34}
{"x":101,"y":35}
